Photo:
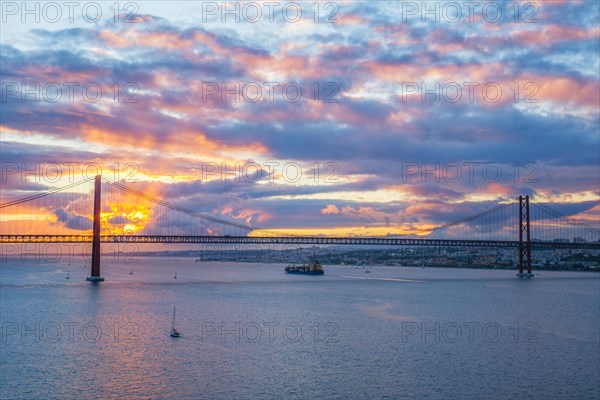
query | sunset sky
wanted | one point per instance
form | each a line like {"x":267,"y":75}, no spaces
{"x":202,"y":119}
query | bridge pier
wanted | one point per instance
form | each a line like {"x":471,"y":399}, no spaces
{"x":524,"y":247}
{"x":95,"y":275}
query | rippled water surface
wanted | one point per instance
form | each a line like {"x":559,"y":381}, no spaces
{"x":249,"y":331}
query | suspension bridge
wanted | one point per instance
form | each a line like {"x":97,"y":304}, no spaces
{"x":114,"y":212}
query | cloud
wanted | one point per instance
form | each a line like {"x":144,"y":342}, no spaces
{"x":369,"y":135}
{"x":73,"y":221}
{"x":119,"y":220}
{"x":330,"y":209}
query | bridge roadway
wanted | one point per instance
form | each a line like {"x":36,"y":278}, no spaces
{"x":296,"y":240}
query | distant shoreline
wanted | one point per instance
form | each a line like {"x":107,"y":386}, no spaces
{"x":124,"y":257}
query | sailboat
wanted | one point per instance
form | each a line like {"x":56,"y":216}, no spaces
{"x":174,"y":332}
{"x":67,"y":274}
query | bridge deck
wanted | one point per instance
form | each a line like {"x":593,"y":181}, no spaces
{"x":313,"y":240}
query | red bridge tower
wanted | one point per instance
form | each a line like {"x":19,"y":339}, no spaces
{"x":95,"y":276}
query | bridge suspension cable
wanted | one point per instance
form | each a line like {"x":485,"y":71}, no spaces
{"x":75,"y":208}
{"x":39,"y":196}
{"x":178,"y":208}
{"x":482,"y":224}
{"x":566,"y":219}
{"x":70,"y":212}
{"x":474,"y":217}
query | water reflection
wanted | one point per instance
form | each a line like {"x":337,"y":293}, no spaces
{"x":114,"y":340}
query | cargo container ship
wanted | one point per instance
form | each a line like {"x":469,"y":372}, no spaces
{"x":313,"y":268}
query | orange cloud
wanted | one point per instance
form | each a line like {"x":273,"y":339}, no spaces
{"x":133,"y":38}
{"x":355,"y":231}
{"x":369,"y":212}
{"x":564,"y":89}
{"x":555,"y":33}
{"x":330,"y":209}
{"x":248,"y":215}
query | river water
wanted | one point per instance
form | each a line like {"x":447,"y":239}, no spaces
{"x":249,"y":331}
